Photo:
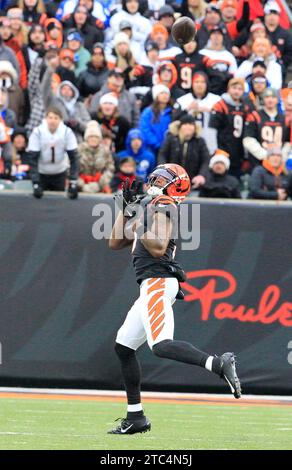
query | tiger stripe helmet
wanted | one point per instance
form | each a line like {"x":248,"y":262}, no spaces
{"x":169,"y":179}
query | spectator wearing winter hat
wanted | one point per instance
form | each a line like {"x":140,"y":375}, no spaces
{"x":183,"y":147}
{"x":270,"y":180}
{"x":159,"y":34}
{"x":127,"y":170}
{"x":194,"y":9}
{"x":258,"y":84}
{"x":135,"y":148}
{"x":91,"y":80}
{"x":66,"y":99}
{"x":166,"y":74}
{"x":79,"y":21}
{"x":108,"y":116}
{"x":262,"y":49}
{"x":81,"y":54}
{"x":199,"y":103}
{"x":66,"y":67}
{"x":156,"y":118}
{"x":9,"y":81}
{"x":166,"y":18}
{"x":9,"y":41}
{"x":279,"y":36}
{"x":130,"y":12}
{"x":122,"y":56}
{"x":212,"y":20}
{"x":219,"y":184}
{"x":18,"y":27}
{"x":127,"y":105}
{"x":96,"y":164}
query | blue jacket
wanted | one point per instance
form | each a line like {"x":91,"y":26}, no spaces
{"x":154,"y":131}
{"x":145,"y":160}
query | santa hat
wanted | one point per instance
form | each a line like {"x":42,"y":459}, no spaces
{"x":220,"y":156}
{"x":92,"y":130}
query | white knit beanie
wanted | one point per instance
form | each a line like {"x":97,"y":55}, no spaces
{"x":109,"y":98}
{"x":7,"y":67}
{"x":92,"y":130}
{"x":121,"y":38}
{"x":157,"y":89}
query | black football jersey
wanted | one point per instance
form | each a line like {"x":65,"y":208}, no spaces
{"x":187,"y":65}
{"x":146,"y":265}
{"x":265,"y":129}
{"x":229,"y":121}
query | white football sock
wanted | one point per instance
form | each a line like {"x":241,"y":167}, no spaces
{"x":133,"y":408}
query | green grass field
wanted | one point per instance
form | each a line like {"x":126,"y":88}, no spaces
{"x":71,"y":424}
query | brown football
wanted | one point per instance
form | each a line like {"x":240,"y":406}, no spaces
{"x":183,"y":30}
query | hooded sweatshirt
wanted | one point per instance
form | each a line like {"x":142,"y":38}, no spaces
{"x":145,"y":160}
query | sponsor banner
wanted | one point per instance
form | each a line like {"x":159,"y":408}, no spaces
{"x":64,"y":295}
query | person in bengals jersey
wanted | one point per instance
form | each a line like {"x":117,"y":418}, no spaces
{"x":228,"y":117}
{"x":187,"y":64}
{"x":158,"y":275}
{"x":264,"y":127}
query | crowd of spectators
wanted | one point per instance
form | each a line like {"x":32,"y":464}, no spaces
{"x":94,"y":92}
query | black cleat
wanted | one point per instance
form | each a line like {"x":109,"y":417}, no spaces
{"x":129,"y":426}
{"x":228,"y":373}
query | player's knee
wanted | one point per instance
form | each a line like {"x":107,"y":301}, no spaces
{"x":160,"y":349}
{"x":123,"y":351}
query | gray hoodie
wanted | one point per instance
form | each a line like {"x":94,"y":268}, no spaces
{"x":72,"y":110}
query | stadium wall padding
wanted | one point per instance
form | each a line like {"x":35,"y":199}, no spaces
{"x":65,"y":294}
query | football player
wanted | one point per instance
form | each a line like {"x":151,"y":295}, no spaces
{"x":158,"y":274}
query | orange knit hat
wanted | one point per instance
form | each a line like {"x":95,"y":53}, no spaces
{"x":159,"y":28}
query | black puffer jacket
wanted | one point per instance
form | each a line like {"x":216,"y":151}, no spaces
{"x":91,"y":80}
{"x":193,"y":155}
{"x":265,"y":181}
{"x":223,"y":186}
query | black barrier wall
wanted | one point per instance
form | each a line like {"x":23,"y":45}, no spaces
{"x":65,"y":294}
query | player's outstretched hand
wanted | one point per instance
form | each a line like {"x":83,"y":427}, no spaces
{"x":73,"y":190}
{"x":37,"y":191}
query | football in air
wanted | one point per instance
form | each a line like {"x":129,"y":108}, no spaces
{"x":183,"y":30}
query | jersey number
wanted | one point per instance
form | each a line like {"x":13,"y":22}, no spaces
{"x":270,"y":135}
{"x":186,"y":78}
{"x":53,"y":155}
{"x":237,"y":126}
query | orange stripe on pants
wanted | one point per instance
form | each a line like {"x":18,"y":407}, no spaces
{"x":158,"y":284}
{"x":155,"y":307}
